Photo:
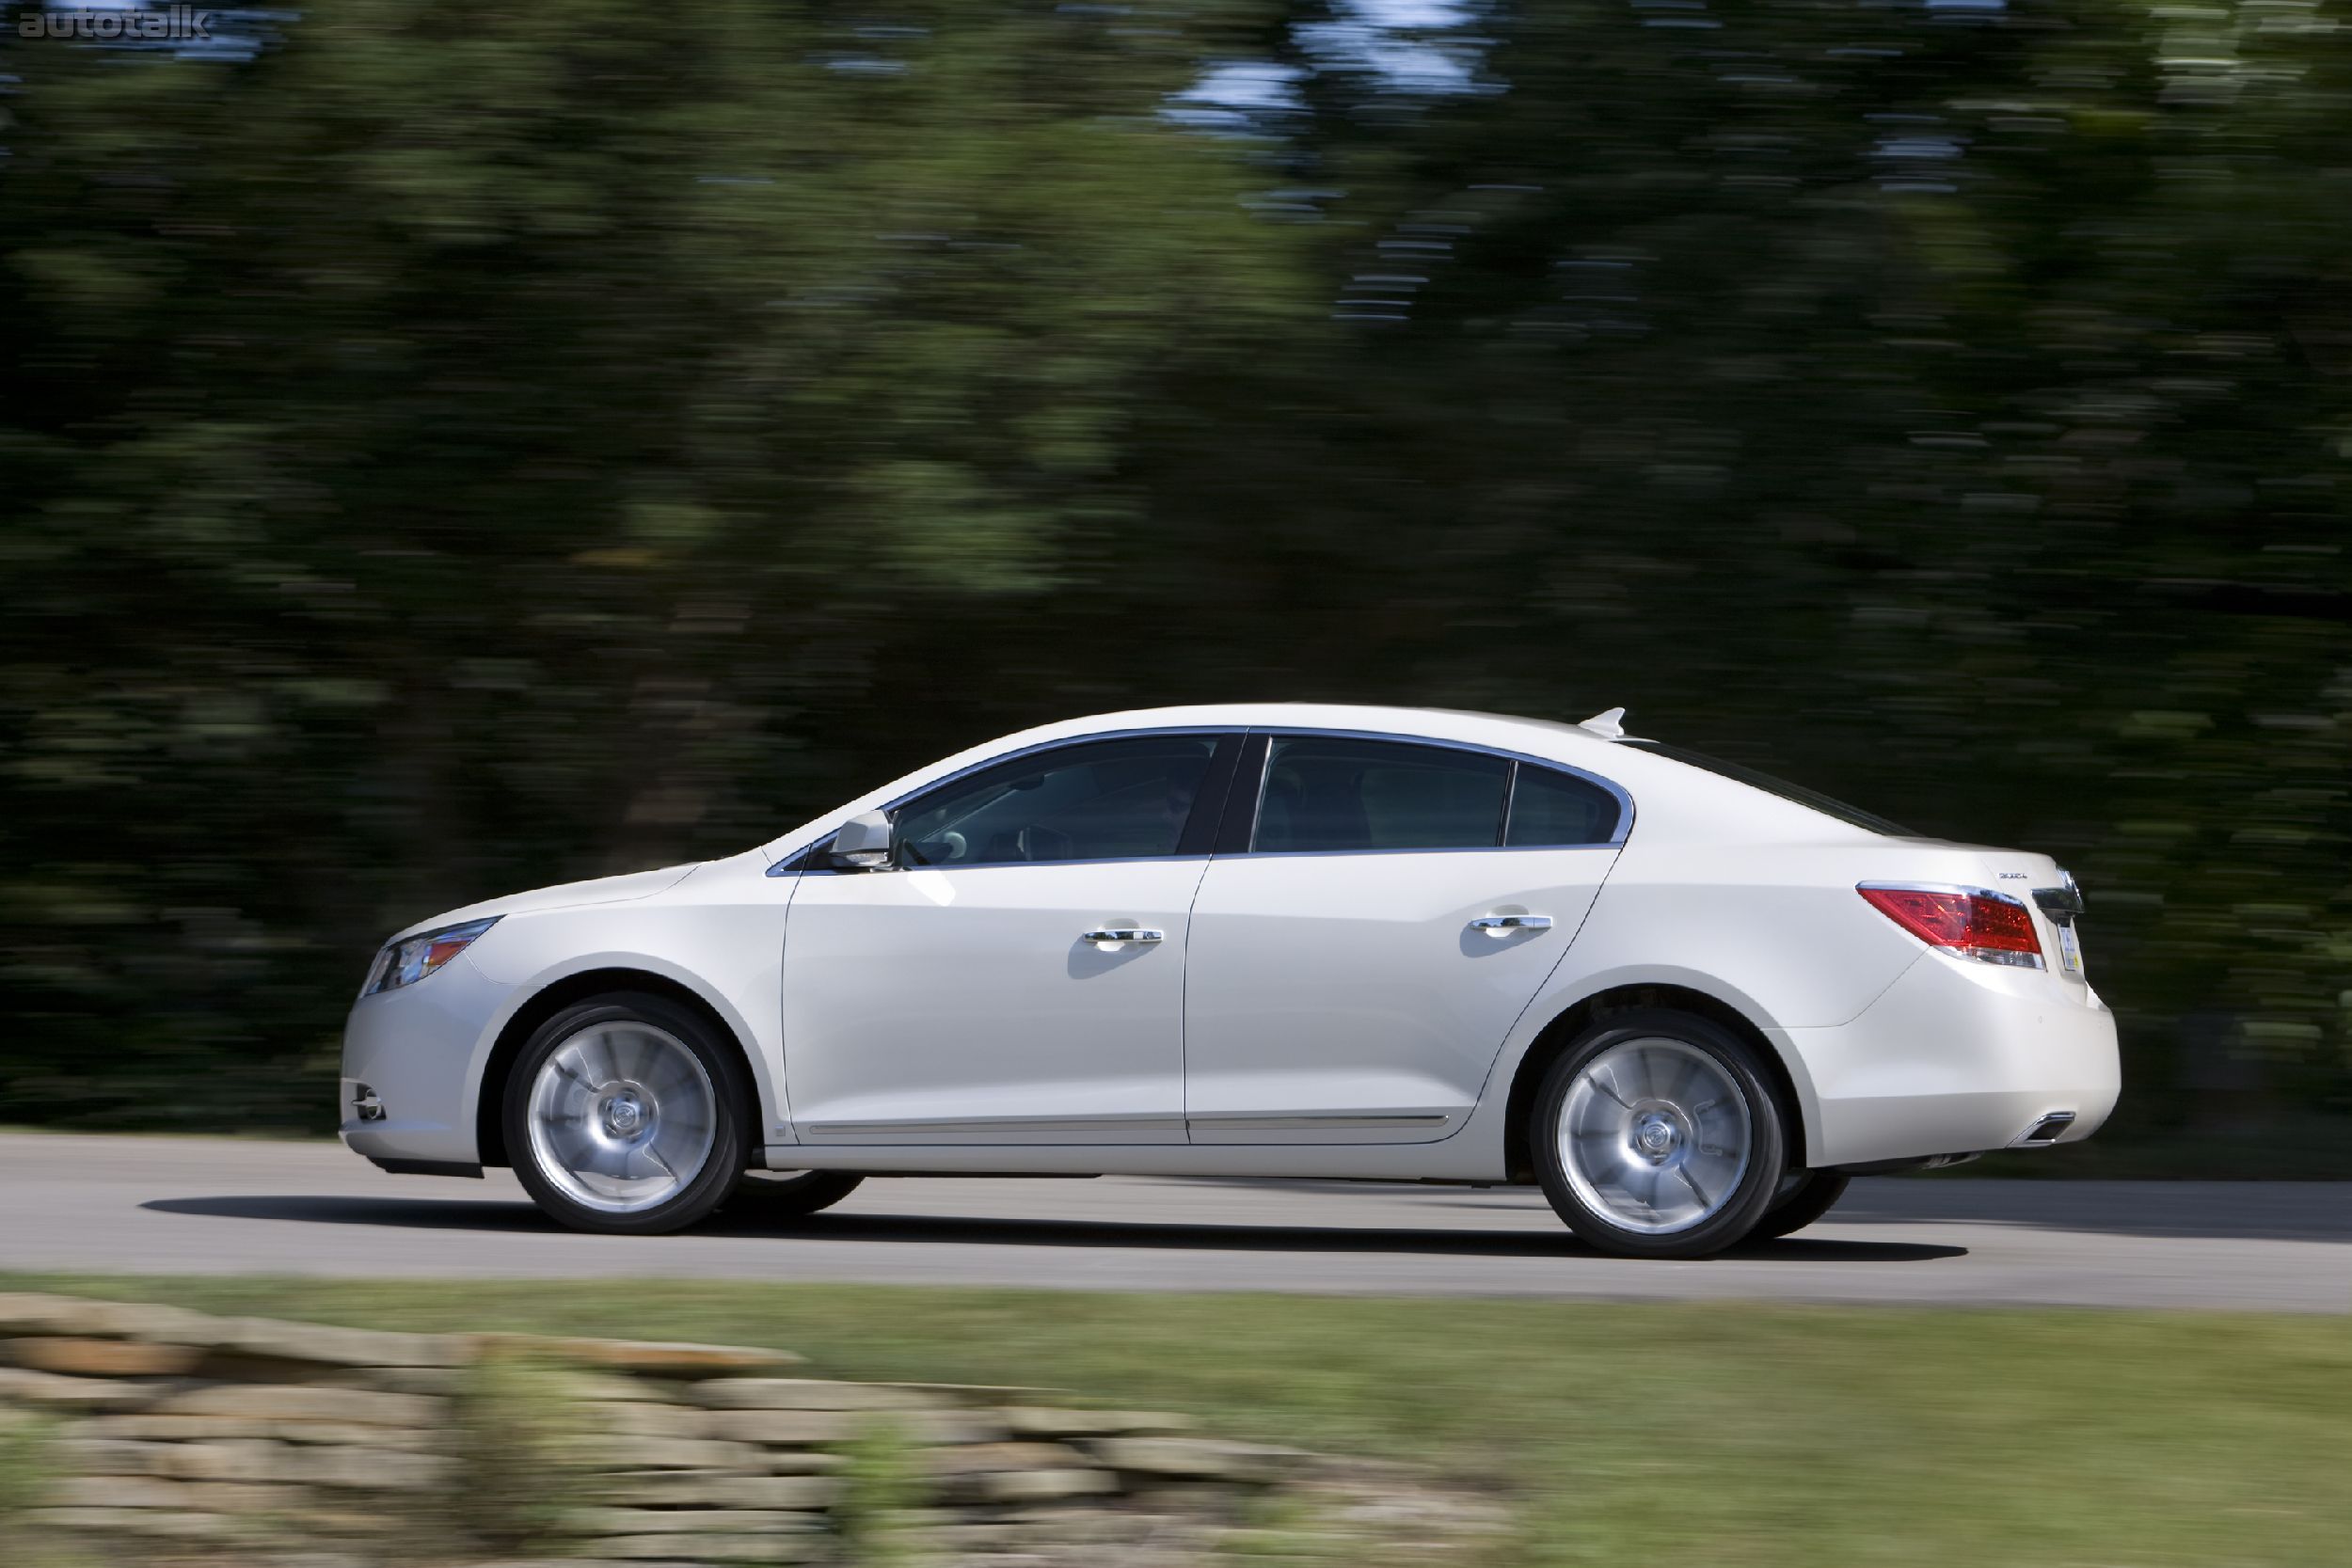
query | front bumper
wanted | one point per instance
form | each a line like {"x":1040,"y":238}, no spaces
{"x":1957,"y":1057}
{"x":420,"y":1050}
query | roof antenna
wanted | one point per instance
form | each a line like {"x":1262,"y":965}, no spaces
{"x":1608,"y":724}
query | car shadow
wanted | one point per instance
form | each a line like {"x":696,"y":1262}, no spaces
{"x":918,"y":1230}
{"x":2216,"y":1210}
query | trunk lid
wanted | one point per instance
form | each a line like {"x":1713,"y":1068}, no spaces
{"x":2056,"y":904}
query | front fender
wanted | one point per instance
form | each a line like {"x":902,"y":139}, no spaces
{"x":725,"y":954}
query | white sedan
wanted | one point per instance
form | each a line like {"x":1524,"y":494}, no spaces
{"x":1261,"y":940}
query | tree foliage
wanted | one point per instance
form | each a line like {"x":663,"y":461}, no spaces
{"x":453,"y":449}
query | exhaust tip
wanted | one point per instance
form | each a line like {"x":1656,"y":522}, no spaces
{"x":2048,"y":1131}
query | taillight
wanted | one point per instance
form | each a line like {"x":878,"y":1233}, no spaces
{"x":1969,"y":923}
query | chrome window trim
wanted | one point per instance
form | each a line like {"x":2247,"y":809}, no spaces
{"x":1010,"y":865}
{"x":1456,"y":850}
{"x":1625,"y":801}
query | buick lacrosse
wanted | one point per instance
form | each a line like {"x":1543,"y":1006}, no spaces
{"x":1688,"y":1000}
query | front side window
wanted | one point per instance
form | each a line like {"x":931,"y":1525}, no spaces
{"x":1331,"y":794}
{"x":1109,"y":799}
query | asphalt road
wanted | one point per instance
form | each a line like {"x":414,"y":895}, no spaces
{"x":175,"y":1205}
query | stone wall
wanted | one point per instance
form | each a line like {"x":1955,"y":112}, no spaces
{"x":150,"y":1435}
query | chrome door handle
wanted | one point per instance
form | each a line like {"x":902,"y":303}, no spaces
{"x":1500,"y":925}
{"x":1125,"y":933}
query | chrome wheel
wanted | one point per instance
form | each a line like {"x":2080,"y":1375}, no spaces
{"x":622,"y":1116}
{"x":1654,"y":1136}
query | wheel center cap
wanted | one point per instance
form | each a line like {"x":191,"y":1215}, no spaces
{"x":623,"y":1114}
{"x":1655,"y":1135}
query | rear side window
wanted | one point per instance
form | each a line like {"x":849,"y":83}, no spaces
{"x":1329,"y":794}
{"x":1554,"y":808}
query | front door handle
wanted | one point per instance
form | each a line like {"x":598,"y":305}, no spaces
{"x":1124,"y":933}
{"x":1500,"y":925}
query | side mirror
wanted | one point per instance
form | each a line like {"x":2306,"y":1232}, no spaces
{"x":863,"y":843}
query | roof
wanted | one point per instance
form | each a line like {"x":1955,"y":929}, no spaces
{"x":1541,"y":736}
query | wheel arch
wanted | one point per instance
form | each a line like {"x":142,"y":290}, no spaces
{"x":565,"y":991}
{"x":1580,"y":1015}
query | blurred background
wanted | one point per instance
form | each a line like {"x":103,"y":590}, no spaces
{"x":449,"y":448}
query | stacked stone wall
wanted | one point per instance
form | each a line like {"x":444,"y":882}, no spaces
{"x":146,"y":1433}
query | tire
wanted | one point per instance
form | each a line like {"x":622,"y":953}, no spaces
{"x":1681,"y":1140}
{"x":1814,"y":1193}
{"x":790,"y":1194}
{"x":625,"y":1113}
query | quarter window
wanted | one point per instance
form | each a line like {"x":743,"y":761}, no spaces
{"x":1554,"y":808}
{"x":1112,"y":799}
{"x":1332,"y":794}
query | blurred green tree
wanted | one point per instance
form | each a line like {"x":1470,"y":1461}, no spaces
{"x":451,"y":449}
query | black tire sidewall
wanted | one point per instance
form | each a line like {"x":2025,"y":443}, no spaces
{"x":791,"y":1196}
{"x":1768,"y":1122}
{"x":719,"y":1059}
{"x":1815,"y":1196}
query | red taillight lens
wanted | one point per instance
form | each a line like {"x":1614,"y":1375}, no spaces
{"x":1972,"y":922}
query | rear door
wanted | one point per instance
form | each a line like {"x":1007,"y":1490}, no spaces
{"x":1379,"y":914}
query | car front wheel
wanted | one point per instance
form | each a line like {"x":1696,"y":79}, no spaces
{"x":1657,"y":1134}
{"x":624,"y":1114}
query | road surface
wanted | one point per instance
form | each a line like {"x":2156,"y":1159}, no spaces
{"x":140,"y":1205}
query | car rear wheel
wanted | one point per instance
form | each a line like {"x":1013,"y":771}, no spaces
{"x":1806,"y":1196}
{"x":790,"y":1194}
{"x":1657,"y":1134}
{"x":625,"y":1113}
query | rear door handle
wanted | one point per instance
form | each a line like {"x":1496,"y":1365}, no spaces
{"x":1500,"y":925}
{"x":1124,"y":933}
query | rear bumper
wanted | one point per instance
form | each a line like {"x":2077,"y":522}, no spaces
{"x":1957,"y":1057}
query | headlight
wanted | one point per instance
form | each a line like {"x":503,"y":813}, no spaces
{"x":411,"y":958}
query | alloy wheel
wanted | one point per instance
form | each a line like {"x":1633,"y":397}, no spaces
{"x":1655,"y":1135}
{"x":622,"y":1116}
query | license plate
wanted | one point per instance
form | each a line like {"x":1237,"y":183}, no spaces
{"x":2070,"y":950}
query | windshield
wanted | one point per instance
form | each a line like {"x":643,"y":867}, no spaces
{"x":1853,"y":816}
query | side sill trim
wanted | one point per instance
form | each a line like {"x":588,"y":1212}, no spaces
{"x":998,"y":1124}
{"x":1238,"y":1121}
{"x":1244,"y":1121}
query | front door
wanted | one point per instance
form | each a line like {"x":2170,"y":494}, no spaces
{"x":1354,"y":971}
{"x":1017,"y":975}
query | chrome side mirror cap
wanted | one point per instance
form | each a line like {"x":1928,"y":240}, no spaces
{"x":863,"y":843}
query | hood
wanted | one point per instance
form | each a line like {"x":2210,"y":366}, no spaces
{"x":599,"y":890}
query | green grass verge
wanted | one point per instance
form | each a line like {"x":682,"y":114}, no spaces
{"x":1723,"y":1434}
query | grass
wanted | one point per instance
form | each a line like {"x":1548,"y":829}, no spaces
{"x":1732,"y":1435}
